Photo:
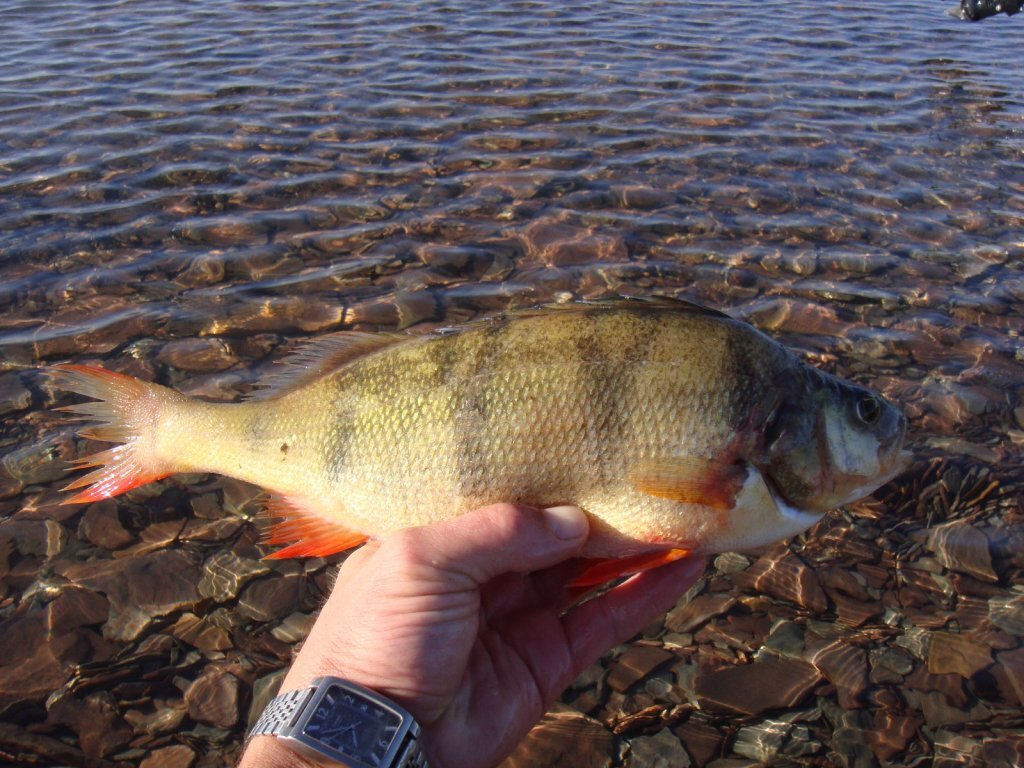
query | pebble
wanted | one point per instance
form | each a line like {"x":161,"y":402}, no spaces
{"x":35,"y":464}
{"x":635,"y":664}
{"x":225,"y":573}
{"x":139,"y":588}
{"x":96,"y":720}
{"x":1007,"y":613}
{"x":294,"y":627}
{"x":782,"y":574}
{"x":101,"y":526}
{"x":271,"y":598}
{"x":769,"y":683}
{"x":200,"y":634}
{"x":174,"y":756}
{"x":662,"y":750}
{"x":846,"y":667}
{"x":214,"y":698}
{"x":960,"y":546}
{"x":564,"y":738}
{"x":689,"y":615}
{"x":14,"y":395}
{"x":205,"y":355}
{"x":961,"y":654}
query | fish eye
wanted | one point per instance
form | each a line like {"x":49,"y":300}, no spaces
{"x":869,"y":409}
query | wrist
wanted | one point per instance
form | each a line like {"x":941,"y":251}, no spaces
{"x":268,"y":752}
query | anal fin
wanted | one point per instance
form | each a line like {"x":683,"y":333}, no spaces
{"x":602,"y":570}
{"x":307,"y":533}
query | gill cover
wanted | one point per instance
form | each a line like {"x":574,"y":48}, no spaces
{"x":830,"y":442}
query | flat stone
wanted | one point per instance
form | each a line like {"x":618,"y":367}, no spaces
{"x":846,"y":667}
{"x":636,"y":663}
{"x":729,"y":563}
{"x":44,"y":538}
{"x":891,"y":734}
{"x":165,"y":719}
{"x":1007,"y":613}
{"x":938,"y":711}
{"x":33,"y":660}
{"x":661,"y":750}
{"x":101,"y":525}
{"x":769,"y":683}
{"x":51,"y":751}
{"x":74,"y":608}
{"x":14,"y":395}
{"x":957,"y":749}
{"x":889,"y":665}
{"x":176,"y":756}
{"x":271,"y":598}
{"x":1004,"y":749}
{"x":783,"y":575}
{"x":564,"y":738}
{"x":787,"y":639}
{"x":960,"y":546}
{"x":1012,"y":665}
{"x":294,"y":627}
{"x":200,"y":634}
{"x":690,"y":615}
{"x":202,"y":355}
{"x":36,"y":464}
{"x":962,"y":654}
{"x":703,"y":742}
{"x":138,"y":588}
{"x":850,"y":738}
{"x":96,"y":720}
{"x":225,"y":573}
{"x":213,"y":698}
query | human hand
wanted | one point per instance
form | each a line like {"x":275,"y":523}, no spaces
{"x":462,"y":623}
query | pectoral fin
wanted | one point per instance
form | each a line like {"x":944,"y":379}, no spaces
{"x":691,"y":480}
{"x":306,"y":533}
{"x":600,"y":571}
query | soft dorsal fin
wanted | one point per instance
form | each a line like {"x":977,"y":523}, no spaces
{"x":319,"y":357}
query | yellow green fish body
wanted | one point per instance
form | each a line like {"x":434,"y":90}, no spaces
{"x":673,"y":427}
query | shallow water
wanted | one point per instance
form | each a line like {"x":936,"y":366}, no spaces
{"x":189,"y":190}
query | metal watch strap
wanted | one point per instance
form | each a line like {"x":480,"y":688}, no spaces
{"x":283,"y":710}
{"x":280,"y":713}
{"x":412,"y":757}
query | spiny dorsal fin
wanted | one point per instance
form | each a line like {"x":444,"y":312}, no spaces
{"x":320,"y":357}
{"x":667,"y":303}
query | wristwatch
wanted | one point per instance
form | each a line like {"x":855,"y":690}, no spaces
{"x":345,"y":722}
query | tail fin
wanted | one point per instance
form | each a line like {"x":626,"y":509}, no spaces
{"x":127,"y":411}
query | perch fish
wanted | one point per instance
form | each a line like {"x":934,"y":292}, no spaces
{"x":678,"y":429}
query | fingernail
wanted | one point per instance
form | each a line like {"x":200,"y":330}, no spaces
{"x":566,"y":522}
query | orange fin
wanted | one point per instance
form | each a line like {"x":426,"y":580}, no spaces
{"x":316,"y":359}
{"x":309,"y":534}
{"x":602,"y":570}
{"x":119,"y":471}
{"x":692,"y":480}
{"x":122,"y":406}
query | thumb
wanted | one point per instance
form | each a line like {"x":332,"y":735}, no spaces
{"x":503,"y":538}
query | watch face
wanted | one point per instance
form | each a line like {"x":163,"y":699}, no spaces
{"x":352,"y":725}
